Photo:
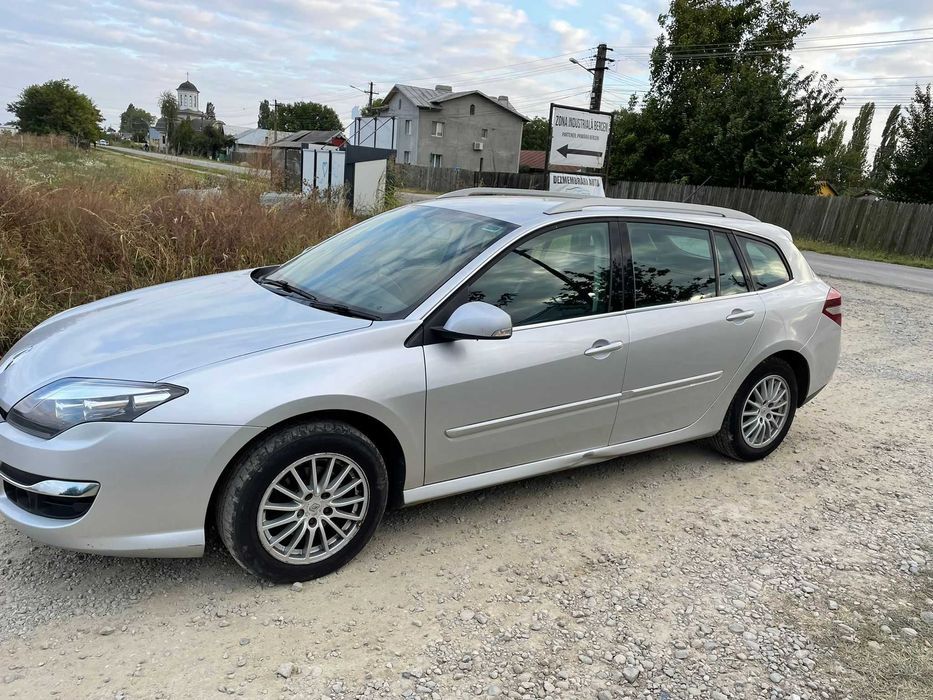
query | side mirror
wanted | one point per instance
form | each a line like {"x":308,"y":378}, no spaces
{"x":477,"y":320}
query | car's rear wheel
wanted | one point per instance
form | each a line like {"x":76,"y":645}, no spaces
{"x":761,"y":412}
{"x":303,"y":502}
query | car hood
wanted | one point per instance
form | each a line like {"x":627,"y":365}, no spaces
{"x":151,"y":334}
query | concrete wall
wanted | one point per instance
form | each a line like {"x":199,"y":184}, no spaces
{"x":501,"y":145}
{"x":406,"y":111}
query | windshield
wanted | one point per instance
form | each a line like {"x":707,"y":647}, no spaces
{"x":389,"y":264}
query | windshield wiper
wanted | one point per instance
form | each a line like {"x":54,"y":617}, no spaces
{"x":344,"y":310}
{"x":288,"y":288}
{"x":341,"y":309}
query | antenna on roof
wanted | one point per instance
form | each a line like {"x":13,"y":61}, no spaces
{"x":697,"y":189}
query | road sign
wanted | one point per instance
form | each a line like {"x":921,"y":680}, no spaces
{"x":579,"y":137}
{"x":591,"y":185}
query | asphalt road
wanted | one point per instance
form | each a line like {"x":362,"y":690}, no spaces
{"x":916,"y":279}
{"x":197,"y":162}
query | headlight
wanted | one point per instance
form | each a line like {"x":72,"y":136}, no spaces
{"x":66,"y":403}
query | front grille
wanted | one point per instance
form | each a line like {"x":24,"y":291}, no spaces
{"x":57,"y":507}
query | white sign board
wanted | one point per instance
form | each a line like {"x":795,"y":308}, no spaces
{"x":591,"y":185}
{"x":579,"y":137}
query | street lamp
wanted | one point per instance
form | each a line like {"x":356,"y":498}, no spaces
{"x":577,"y":63}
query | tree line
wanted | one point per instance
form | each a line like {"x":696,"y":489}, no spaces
{"x":725,"y":107}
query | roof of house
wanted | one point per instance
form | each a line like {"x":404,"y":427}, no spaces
{"x":189,"y":86}
{"x":259,"y":137}
{"x":426,"y":98}
{"x":297,"y":138}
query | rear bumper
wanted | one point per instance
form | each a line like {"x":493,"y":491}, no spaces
{"x":153,"y":484}
{"x":822,"y":353}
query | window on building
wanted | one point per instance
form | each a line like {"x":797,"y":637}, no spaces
{"x":399,"y":102}
{"x":485,"y":133}
{"x":407,"y":158}
{"x":557,"y":275}
{"x":765,"y":263}
{"x":436,"y":160}
{"x":437,"y":128}
{"x":408,"y":127}
{"x":481,"y":165}
{"x":671,"y":263}
{"x":472,"y":110}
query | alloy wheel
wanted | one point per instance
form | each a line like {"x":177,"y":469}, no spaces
{"x":313,"y":508}
{"x":765,"y":411}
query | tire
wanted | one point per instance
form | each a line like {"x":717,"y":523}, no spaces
{"x":251,"y":501}
{"x":731,"y":440}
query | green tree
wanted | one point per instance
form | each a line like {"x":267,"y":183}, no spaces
{"x":373,"y":111}
{"x":298,"y":116}
{"x":535,"y":135}
{"x":881,"y":165}
{"x":912,"y":165}
{"x":136,"y":121}
{"x":168,"y":108}
{"x":185,"y":140}
{"x":57,"y":107}
{"x":265,"y":115}
{"x":724,"y":106}
{"x":856,"y":152}
{"x":832,"y":165}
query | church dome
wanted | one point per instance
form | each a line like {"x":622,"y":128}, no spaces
{"x":188,"y":86}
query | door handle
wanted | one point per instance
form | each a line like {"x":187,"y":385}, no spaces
{"x":603,"y":349}
{"x":739,"y":315}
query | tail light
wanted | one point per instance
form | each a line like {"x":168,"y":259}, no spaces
{"x":832,"y":307}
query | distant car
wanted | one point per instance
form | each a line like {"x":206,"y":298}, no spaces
{"x":441,"y":347}
{"x":104,"y":142}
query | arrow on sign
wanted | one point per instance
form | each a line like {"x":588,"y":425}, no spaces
{"x":567,"y":150}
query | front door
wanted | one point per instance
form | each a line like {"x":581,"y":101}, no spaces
{"x":553,"y":387}
{"x":693,"y":325}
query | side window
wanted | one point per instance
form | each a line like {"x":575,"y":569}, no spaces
{"x":560,"y":274}
{"x":765,"y":263}
{"x":671,"y":263}
{"x":731,"y":277}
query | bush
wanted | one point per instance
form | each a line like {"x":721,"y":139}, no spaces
{"x":116,"y":225}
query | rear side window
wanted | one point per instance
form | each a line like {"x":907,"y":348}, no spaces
{"x":670,"y":263}
{"x":765,"y":263}
{"x":731,"y":277}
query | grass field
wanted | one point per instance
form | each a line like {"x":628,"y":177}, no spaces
{"x":78,"y":225}
{"x":861,"y":254}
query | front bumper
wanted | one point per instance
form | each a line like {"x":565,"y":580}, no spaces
{"x":155,"y":482}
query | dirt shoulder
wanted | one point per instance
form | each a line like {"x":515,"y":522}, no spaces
{"x":672,"y":574}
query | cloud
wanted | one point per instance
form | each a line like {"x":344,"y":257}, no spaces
{"x":239,"y":52}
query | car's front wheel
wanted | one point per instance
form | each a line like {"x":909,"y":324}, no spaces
{"x":761,"y":412}
{"x":303,"y":502}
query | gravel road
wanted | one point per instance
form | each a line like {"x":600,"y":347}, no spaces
{"x":674,"y":574}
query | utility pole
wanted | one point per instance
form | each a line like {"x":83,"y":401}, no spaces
{"x":369,"y":93}
{"x":596,"y":96}
{"x":275,"y":121}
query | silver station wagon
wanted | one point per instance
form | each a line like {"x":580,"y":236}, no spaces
{"x":446,"y":346}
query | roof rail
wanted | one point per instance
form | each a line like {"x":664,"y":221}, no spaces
{"x":509,"y":191}
{"x":578,"y":204}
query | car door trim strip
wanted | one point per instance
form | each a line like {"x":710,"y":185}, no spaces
{"x":631,"y":394}
{"x":517,"y":418}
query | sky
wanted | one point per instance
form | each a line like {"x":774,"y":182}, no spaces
{"x":239,"y":52}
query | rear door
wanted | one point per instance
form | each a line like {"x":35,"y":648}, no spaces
{"x":693,"y":320}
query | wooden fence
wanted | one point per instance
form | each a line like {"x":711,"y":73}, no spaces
{"x":892,"y":227}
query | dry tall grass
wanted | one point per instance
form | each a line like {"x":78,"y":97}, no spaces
{"x":103,"y":225}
